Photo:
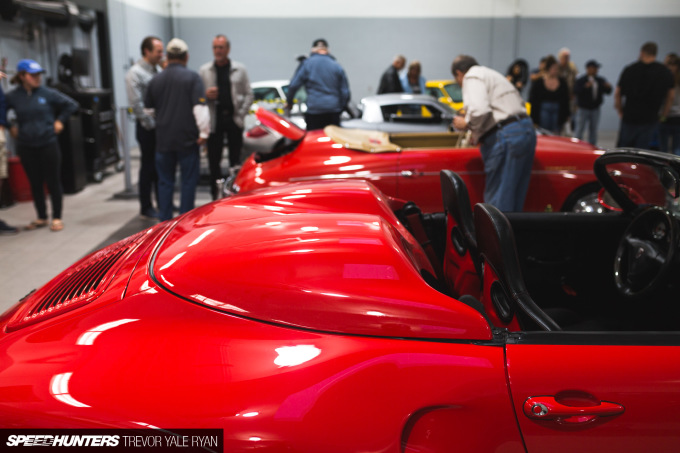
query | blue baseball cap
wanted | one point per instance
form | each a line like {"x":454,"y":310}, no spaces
{"x":30,"y":66}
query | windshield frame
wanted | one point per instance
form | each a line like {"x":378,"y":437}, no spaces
{"x":655,"y":160}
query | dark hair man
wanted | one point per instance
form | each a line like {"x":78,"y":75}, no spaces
{"x":136,"y":82}
{"x":326,"y":84}
{"x":644,"y":88}
{"x":389,"y":82}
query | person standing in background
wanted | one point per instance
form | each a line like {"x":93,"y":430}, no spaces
{"x":136,"y":82}
{"x":182,"y":125}
{"x":568,"y":71}
{"x":590,"y":90}
{"x":549,"y":98}
{"x":567,"y":68}
{"x":539,"y":71}
{"x":669,"y":126}
{"x":496,"y":115}
{"x":229,"y":99}
{"x":413,"y":82}
{"x":4,"y":228}
{"x":41,"y":113}
{"x":326,"y":84}
{"x":390,"y":82}
{"x":518,"y":74}
{"x":644,"y":89}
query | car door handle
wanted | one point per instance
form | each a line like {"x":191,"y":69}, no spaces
{"x":409,"y":173}
{"x":548,"y":408}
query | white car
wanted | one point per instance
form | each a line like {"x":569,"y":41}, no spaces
{"x":275,"y":90}
{"x":402,"y":113}
{"x":271,"y":94}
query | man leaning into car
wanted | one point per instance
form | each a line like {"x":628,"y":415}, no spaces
{"x":495,"y":113}
{"x":326,"y":84}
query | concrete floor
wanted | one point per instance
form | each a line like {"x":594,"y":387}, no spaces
{"x":94,"y":217}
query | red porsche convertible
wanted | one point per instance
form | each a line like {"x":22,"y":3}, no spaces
{"x":407,"y":165}
{"x":308,"y":318}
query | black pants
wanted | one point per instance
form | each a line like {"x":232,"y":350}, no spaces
{"x":148,"y":178}
{"x":42,"y":165}
{"x":321,"y":120}
{"x":216,"y":145}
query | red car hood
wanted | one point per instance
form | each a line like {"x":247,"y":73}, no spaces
{"x":326,"y":256}
{"x":558,"y":143}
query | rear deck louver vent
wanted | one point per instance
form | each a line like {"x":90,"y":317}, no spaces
{"x":78,"y":286}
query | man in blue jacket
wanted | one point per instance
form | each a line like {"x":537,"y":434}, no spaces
{"x":326,"y":84}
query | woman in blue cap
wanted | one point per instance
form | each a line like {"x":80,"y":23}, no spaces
{"x":40,"y":115}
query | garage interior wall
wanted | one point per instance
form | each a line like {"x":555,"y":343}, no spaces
{"x":267,"y":35}
{"x":36,"y":40}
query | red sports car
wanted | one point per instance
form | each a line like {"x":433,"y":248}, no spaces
{"x":307,"y":318}
{"x":407,"y":165}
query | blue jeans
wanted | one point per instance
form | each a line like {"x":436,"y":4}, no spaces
{"x":166,"y":165}
{"x":508,"y":156}
{"x":635,"y":135}
{"x":550,"y":116}
{"x":320,"y":120}
{"x":670,"y":130}
{"x":592,"y":118}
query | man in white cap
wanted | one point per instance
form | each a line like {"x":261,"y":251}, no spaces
{"x":182,"y":125}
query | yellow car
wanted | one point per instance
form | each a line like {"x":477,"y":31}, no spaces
{"x":449,"y":92}
{"x":446,"y":91}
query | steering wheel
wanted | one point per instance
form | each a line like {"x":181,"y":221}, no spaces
{"x":645,"y":253}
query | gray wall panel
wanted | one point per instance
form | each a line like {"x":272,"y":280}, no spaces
{"x":365,"y":46}
{"x":615,"y":43}
{"x":128,"y":26}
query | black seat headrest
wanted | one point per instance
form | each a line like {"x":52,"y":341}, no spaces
{"x":496,"y":247}
{"x":457,"y":202}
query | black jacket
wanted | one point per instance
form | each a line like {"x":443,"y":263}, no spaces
{"x":389,"y":82}
{"x":36,"y":113}
{"x":538,"y":94}
{"x":644,"y":87}
{"x":584,"y":96}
